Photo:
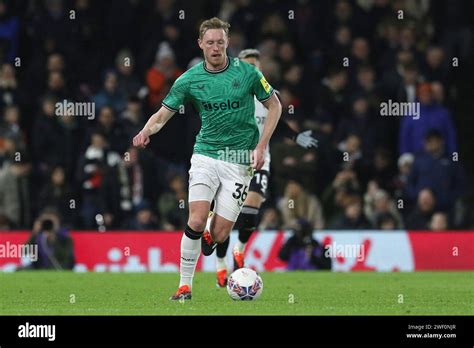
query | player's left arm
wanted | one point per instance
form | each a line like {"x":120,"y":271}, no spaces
{"x":274,"y":112}
{"x":303,"y":139}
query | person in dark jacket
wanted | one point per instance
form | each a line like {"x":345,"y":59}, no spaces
{"x":353,"y":217}
{"x":432,"y":116}
{"x":47,"y":136}
{"x":436,"y":170}
{"x":144,"y":219}
{"x":420,"y":218}
{"x":58,"y":193}
{"x":302,"y":251}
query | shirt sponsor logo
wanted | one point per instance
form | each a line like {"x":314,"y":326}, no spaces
{"x":222,"y":106}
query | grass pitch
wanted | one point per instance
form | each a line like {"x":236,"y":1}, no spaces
{"x":292,"y":293}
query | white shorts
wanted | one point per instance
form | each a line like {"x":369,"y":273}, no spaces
{"x":226,"y":183}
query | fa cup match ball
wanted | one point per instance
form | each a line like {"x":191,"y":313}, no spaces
{"x":244,"y":284}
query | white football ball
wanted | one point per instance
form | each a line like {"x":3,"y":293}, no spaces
{"x":244,"y":284}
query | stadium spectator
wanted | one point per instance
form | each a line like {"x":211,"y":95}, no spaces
{"x":242,"y":17}
{"x":395,"y":77}
{"x":8,"y":147}
{"x":71,"y":140}
{"x":113,"y":130}
{"x":386,"y":42}
{"x":439,"y":94}
{"x":435,"y":68}
{"x":360,"y":54}
{"x":377,"y":203}
{"x":132,"y":117}
{"x":336,"y":197}
{"x":342,"y":43}
{"x":95,"y":165}
{"x":432,"y":116}
{"x":436,"y":170}
{"x":439,"y":222}
{"x":173,"y":205}
{"x":270,"y":67}
{"x":274,"y":26}
{"x":15,"y":190}
{"x":127,"y":81}
{"x":421,"y":215}
{"x":386,"y":221}
{"x":352,"y":158}
{"x":302,"y":251}
{"x":56,"y":86}
{"x":58,"y":194}
{"x":9,"y":91}
{"x":298,"y":204}
{"x":341,"y":13}
{"x":10,"y":126}
{"x":353,"y":217}
{"x":453,"y":26}
{"x":291,"y":111}
{"x":9,"y":33}
{"x":361,"y":122}
{"x":55,"y":246}
{"x":85,"y":30}
{"x":404,"y":163}
{"x":144,"y":218}
{"x":270,"y":220}
{"x":110,"y":95}
{"x":286,"y":55}
{"x":406,"y":91}
{"x":383,"y":170}
{"x":367,"y":83}
{"x":55,"y":63}
{"x":292,"y":80}
{"x":161,"y":75}
{"x":46,"y":135}
{"x":50,"y":27}
{"x":331,"y":94}
{"x":141,"y":180}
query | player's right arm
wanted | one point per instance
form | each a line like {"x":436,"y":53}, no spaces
{"x":154,"y":125}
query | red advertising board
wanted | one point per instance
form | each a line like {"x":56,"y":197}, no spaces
{"x":448,"y":250}
{"x":158,"y":251}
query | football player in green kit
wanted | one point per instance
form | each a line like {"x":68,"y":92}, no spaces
{"x":228,"y":147}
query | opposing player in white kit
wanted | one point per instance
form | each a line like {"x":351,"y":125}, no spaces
{"x":247,"y":220}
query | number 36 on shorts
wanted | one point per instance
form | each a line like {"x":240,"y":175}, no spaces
{"x":240,"y":193}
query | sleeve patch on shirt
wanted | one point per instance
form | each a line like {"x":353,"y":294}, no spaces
{"x":265,"y":84}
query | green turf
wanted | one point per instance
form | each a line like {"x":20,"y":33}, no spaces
{"x":296,"y":293}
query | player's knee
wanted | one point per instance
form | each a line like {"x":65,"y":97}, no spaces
{"x":197,"y":222}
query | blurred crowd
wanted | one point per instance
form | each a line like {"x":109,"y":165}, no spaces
{"x":334,"y":63}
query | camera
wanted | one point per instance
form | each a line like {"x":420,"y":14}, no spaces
{"x":47,"y":225}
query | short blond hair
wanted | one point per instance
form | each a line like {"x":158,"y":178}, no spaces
{"x":213,"y":23}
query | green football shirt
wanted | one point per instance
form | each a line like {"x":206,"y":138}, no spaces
{"x":225,"y":102}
